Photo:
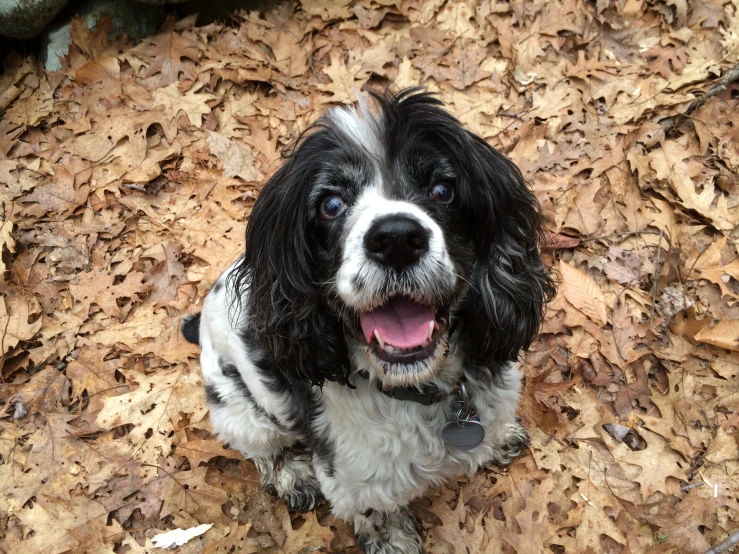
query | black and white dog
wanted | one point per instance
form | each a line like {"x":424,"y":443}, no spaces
{"x":364,"y":348}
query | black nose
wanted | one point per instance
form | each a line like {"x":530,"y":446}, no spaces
{"x":397,"y":241}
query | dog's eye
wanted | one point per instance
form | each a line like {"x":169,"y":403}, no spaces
{"x":443,"y":193}
{"x":332,"y":207}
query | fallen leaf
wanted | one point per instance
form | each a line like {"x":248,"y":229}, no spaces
{"x":583,"y":293}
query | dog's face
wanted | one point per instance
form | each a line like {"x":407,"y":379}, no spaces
{"x":401,"y":235}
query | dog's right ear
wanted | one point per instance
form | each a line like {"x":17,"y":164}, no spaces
{"x":285,"y":312}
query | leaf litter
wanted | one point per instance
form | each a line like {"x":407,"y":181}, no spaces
{"x":130,"y":175}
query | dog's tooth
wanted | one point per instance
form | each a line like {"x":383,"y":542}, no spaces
{"x":432,"y":326}
{"x":379,"y":339}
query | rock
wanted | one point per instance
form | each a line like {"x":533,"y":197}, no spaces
{"x":27,"y":18}
{"x":130,"y":18}
{"x":161,"y":2}
{"x":209,"y":11}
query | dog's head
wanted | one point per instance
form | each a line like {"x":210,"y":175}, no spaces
{"x":395,"y":236}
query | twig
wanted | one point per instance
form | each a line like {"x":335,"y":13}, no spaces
{"x":729,"y":77}
{"x":724,"y":546}
{"x":507,"y":114}
{"x":627,"y":234}
{"x":686,"y":488}
{"x":613,"y":323}
{"x":655,"y":278}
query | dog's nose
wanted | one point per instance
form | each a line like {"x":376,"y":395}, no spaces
{"x":396,"y":241}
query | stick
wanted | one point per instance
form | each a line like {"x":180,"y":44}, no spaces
{"x":729,"y":77}
{"x":724,"y":546}
{"x":655,"y":278}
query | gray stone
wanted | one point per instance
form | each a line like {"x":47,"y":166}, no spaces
{"x":161,"y":2}
{"x":210,"y":10}
{"x":130,"y":18}
{"x":27,"y":18}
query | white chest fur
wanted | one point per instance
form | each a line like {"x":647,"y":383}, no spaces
{"x":387,"y":450}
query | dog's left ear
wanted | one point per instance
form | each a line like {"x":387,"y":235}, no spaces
{"x":511,"y":285}
{"x":285,"y":312}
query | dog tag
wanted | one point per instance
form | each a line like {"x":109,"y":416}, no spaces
{"x":464,"y":435}
{"x":465,"y":431}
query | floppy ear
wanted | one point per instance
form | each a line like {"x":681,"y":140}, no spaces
{"x":286,"y":315}
{"x":510,"y":283}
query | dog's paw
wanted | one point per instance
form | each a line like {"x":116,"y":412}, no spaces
{"x":518,"y":439}
{"x":291,"y":476}
{"x":394,"y":533}
{"x":303,"y":497}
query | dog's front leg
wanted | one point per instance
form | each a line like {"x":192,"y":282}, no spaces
{"x":388,"y":532}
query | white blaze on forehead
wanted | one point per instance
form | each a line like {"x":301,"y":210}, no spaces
{"x":360,"y":126}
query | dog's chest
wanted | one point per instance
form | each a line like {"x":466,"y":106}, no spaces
{"x":391,"y":443}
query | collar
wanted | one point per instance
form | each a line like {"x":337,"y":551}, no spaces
{"x":427,"y":394}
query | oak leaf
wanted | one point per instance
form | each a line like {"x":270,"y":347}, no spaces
{"x":15,"y":324}
{"x":679,"y":168}
{"x":168,"y":50}
{"x":155,"y":408}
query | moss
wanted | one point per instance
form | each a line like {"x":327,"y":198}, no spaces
{"x":27,"y":18}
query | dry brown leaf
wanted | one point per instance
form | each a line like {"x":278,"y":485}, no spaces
{"x":203,"y":450}
{"x":724,"y":334}
{"x":15,"y":321}
{"x":583,"y":293}
{"x":168,"y":49}
{"x":118,"y":216}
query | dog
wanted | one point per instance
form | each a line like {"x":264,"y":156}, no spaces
{"x":365,"y":347}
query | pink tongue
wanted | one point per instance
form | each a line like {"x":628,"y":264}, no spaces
{"x":401,"y":323}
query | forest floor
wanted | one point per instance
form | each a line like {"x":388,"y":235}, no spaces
{"x":129,"y":178}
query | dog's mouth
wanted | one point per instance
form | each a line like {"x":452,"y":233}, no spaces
{"x":403,"y":330}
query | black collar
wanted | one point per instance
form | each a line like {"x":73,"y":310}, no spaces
{"x":428,"y":394}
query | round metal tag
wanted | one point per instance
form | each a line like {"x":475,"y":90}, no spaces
{"x":464,"y":435}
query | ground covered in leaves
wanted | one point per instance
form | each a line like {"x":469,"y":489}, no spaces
{"x":128,"y":180}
